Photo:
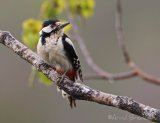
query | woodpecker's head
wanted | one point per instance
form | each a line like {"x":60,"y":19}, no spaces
{"x":53,"y":27}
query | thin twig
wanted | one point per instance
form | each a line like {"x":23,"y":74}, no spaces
{"x":32,"y":77}
{"x":85,"y":51}
{"x":120,"y":39}
{"x":77,"y":90}
{"x":117,"y":76}
{"x":119,"y":31}
{"x":100,"y":73}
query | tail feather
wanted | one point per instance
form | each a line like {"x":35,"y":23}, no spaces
{"x":73,"y":75}
{"x":72,"y":101}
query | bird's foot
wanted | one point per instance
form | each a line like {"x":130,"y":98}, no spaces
{"x":62,"y":77}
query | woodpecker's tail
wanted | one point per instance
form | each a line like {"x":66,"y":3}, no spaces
{"x":71,"y":100}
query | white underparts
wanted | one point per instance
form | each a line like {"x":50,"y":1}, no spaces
{"x":52,"y":52}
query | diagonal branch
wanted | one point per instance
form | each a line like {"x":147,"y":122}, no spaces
{"x":120,"y":38}
{"x":77,"y":90}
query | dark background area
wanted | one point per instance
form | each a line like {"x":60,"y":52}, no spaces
{"x":21,"y":104}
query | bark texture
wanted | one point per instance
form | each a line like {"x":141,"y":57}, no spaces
{"x":78,"y":90}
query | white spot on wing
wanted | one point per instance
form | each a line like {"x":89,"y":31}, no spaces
{"x":70,"y":42}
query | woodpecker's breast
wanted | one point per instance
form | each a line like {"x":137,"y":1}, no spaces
{"x":55,"y":54}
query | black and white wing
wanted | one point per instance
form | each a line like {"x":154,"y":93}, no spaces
{"x":72,"y":55}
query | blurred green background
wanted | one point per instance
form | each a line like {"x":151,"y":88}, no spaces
{"x":21,"y":104}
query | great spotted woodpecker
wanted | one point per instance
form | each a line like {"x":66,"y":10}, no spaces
{"x":56,"y":48}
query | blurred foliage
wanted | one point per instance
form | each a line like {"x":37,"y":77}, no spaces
{"x":30,"y":35}
{"x":43,"y":79}
{"x":54,"y":9}
{"x":83,"y":8}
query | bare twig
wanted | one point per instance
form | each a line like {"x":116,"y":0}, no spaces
{"x":100,"y":73}
{"x":32,"y":77}
{"x":120,"y":39}
{"x":77,"y":90}
{"x":85,"y":51}
{"x":119,"y":31}
{"x":117,"y":76}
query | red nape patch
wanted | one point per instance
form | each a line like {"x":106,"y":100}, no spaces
{"x":71,"y":74}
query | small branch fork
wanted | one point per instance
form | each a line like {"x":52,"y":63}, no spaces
{"x":100,"y":73}
{"x":77,"y":90}
{"x":120,"y":38}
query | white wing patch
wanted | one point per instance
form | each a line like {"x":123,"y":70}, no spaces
{"x":70,"y":42}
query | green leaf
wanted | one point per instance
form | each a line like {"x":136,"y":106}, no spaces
{"x":52,"y":9}
{"x":30,"y":39}
{"x":87,"y":8}
{"x":43,"y":79}
{"x":30,"y":36}
{"x":84,"y":8}
{"x":32,"y":25}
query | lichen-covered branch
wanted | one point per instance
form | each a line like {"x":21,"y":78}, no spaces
{"x":77,"y":90}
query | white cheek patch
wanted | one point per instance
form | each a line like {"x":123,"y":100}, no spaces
{"x":47,"y":29}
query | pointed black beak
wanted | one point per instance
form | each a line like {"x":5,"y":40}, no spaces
{"x":63,"y":25}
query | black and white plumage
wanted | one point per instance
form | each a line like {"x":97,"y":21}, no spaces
{"x":72,"y":56}
{"x":57,"y":50}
